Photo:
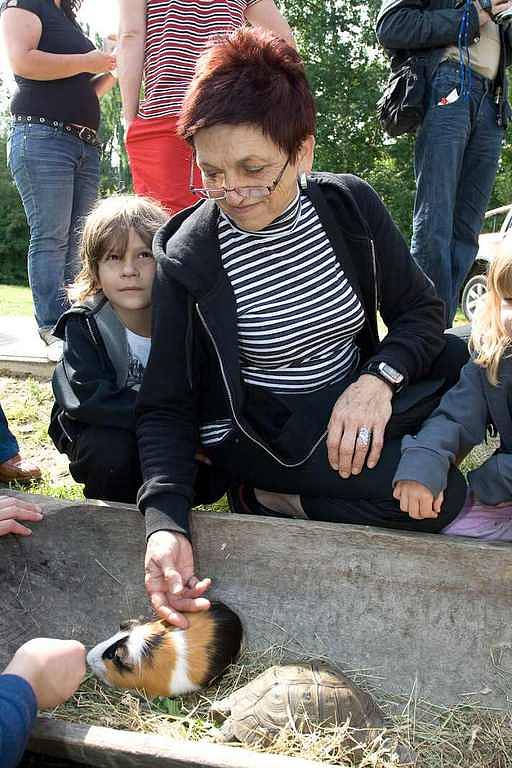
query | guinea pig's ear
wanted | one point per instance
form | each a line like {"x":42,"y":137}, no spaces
{"x":126,"y":626}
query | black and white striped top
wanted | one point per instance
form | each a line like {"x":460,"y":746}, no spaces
{"x":297,"y":313}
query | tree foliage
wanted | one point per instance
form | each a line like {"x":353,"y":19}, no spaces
{"x":347,"y":71}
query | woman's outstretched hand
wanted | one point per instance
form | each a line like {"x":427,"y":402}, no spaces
{"x":357,"y":424}
{"x":172,"y":586}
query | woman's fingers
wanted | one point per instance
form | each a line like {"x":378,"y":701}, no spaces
{"x":334,"y":432}
{"x":160,"y":605}
{"x":189,"y":604}
{"x":346,"y":450}
{"x":377,"y":444}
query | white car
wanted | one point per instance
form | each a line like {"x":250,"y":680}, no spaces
{"x":496,"y":232}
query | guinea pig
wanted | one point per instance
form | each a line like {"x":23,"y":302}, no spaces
{"x":163,"y":660}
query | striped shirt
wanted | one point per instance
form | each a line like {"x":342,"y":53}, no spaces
{"x":297,"y":313}
{"x":176,"y":33}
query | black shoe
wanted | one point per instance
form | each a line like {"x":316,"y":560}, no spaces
{"x":242,"y":501}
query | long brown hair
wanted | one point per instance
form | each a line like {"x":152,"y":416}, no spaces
{"x":71,"y":8}
{"x":490,"y":340}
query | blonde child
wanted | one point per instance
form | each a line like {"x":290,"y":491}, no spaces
{"x":107,"y":340}
{"x":482,"y":397}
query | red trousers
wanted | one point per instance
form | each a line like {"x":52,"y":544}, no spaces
{"x":160,"y":162}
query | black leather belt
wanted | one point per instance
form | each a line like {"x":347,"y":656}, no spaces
{"x":88,"y":135}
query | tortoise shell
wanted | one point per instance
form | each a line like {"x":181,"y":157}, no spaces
{"x":296,"y":696}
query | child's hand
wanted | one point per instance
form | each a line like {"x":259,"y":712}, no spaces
{"x":13,"y":509}
{"x":416,"y":499}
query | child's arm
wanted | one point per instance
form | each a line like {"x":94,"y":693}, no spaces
{"x":491,"y":483}
{"x":457,"y":425}
{"x":84,"y":383}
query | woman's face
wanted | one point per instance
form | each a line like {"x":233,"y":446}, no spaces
{"x":241,"y":156}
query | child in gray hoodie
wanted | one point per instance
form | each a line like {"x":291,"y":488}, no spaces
{"x":482,"y":398}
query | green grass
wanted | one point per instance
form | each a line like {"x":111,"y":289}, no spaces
{"x":15,"y":300}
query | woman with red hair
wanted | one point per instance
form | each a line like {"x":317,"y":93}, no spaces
{"x":265,"y":344}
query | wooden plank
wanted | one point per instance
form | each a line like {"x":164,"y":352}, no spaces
{"x":423,"y":611}
{"x":108,"y":748}
{"x":78,"y":576}
{"x":413,"y":609}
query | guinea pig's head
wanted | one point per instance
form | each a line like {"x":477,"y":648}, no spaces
{"x":141,"y":655}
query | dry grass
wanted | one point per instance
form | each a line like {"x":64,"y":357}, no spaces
{"x":465,"y":736}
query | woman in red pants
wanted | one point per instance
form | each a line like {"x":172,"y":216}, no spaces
{"x":159,"y":43}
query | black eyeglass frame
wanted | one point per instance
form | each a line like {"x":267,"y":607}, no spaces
{"x":206,"y":192}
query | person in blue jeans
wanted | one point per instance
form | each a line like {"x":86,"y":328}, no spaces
{"x":53,"y":147}
{"x":13,"y":467}
{"x":458,"y":145}
{"x":42,"y":674}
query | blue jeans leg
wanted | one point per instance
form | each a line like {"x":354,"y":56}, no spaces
{"x":477,"y":178}
{"x":57,"y":176}
{"x":8,"y":443}
{"x":450,"y":200}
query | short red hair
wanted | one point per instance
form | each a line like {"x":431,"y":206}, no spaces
{"x":251,"y":77}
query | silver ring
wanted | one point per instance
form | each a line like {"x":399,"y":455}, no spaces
{"x":363,"y":436}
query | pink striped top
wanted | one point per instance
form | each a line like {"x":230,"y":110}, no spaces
{"x":176,"y":33}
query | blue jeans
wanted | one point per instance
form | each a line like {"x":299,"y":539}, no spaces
{"x":8,"y":443}
{"x":456,"y":158}
{"x":57,"y":176}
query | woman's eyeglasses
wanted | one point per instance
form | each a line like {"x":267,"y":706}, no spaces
{"x":250,"y":193}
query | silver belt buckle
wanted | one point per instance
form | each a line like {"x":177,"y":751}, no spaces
{"x":82,"y":130}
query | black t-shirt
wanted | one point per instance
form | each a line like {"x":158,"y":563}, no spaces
{"x":70,"y":99}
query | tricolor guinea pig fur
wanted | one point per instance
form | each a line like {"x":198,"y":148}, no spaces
{"x":163,"y":660}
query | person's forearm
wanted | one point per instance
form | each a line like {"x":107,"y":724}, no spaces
{"x":38,"y":65}
{"x":102,"y":84}
{"x":130,"y":65}
{"x":266,"y":15}
{"x":18,"y":708}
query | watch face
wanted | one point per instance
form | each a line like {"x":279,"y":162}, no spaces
{"x":394,"y":376}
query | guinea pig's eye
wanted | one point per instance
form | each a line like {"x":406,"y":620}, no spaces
{"x":110,"y":652}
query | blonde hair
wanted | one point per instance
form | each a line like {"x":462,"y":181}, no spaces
{"x":107,"y":229}
{"x":490,"y":339}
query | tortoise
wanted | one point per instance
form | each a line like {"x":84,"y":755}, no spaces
{"x":296,"y":696}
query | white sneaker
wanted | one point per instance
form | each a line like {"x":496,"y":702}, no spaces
{"x":54,"y":346}
{"x":54,"y":350}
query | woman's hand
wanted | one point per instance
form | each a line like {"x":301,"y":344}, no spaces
{"x":358,"y":421}
{"x":416,"y":499}
{"x":170,"y":580}
{"x":13,"y":509}
{"x":96,"y":62}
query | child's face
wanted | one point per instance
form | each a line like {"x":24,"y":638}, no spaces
{"x":506,"y":314}
{"x":126,"y":278}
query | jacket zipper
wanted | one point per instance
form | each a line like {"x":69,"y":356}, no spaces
{"x":231,"y":404}
{"x":374,"y":262}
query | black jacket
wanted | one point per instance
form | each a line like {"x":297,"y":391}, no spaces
{"x":427,"y":27}
{"x":456,"y":426}
{"x":193,"y":375}
{"x":89,"y":383}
